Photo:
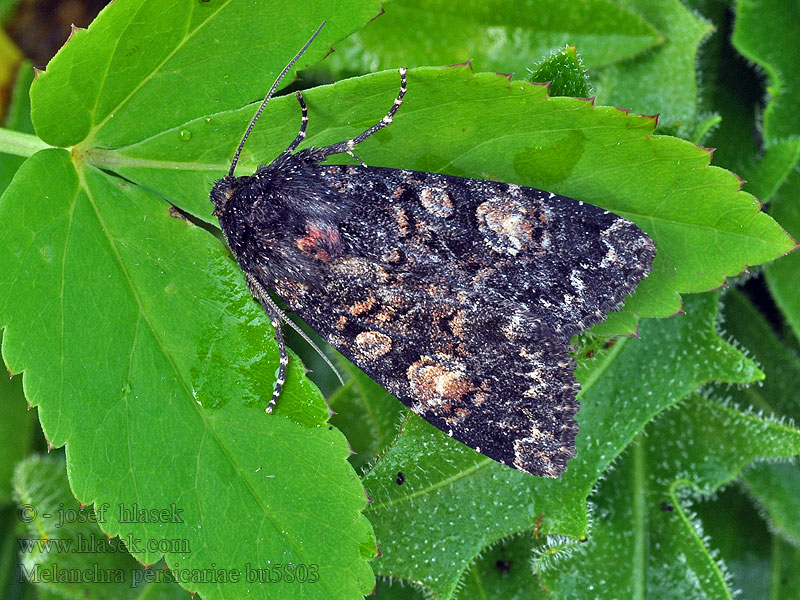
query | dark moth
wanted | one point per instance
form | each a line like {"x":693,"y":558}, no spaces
{"x":459,"y":296}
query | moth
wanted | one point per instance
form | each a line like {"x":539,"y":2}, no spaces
{"x":459,"y":296}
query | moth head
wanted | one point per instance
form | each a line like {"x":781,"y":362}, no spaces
{"x":223,"y":190}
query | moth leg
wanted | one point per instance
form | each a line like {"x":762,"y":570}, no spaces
{"x":303,"y":123}
{"x":348,"y":145}
{"x":276,"y":318}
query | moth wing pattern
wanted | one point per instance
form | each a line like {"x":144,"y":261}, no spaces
{"x":459,"y":296}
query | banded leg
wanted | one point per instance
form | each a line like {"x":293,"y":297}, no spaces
{"x":303,"y":123}
{"x":276,"y":318}
{"x":348,"y":145}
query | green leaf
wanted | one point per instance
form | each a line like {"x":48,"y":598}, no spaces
{"x":663,"y":80}
{"x":735,"y":139}
{"x":642,"y":518}
{"x":18,"y":114}
{"x":564,"y":71}
{"x":10,"y":58}
{"x":144,"y":66}
{"x":138,"y":328}
{"x":596,"y":154}
{"x":761,"y":564}
{"x":782,"y":275}
{"x":17,"y":428}
{"x":17,"y":118}
{"x":6,"y":8}
{"x":734,"y":529}
{"x":733,"y":88}
{"x":773,"y":169}
{"x":503,"y":571}
{"x":619,"y":323}
{"x":146,"y":355}
{"x":776,"y":396}
{"x":704,"y":127}
{"x":495,"y":35}
{"x":64,"y":538}
{"x":461,"y":501}
{"x":388,"y":589}
{"x":729,"y":87}
{"x":367,"y":414}
{"x":9,"y":558}
{"x":766,"y":32}
{"x":776,"y":487}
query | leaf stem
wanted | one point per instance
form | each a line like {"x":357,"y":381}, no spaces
{"x":20,"y":144}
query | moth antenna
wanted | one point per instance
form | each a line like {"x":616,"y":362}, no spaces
{"x":269,"y":95}
{"x":267,"y":299}
{"x":316,"y":348}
